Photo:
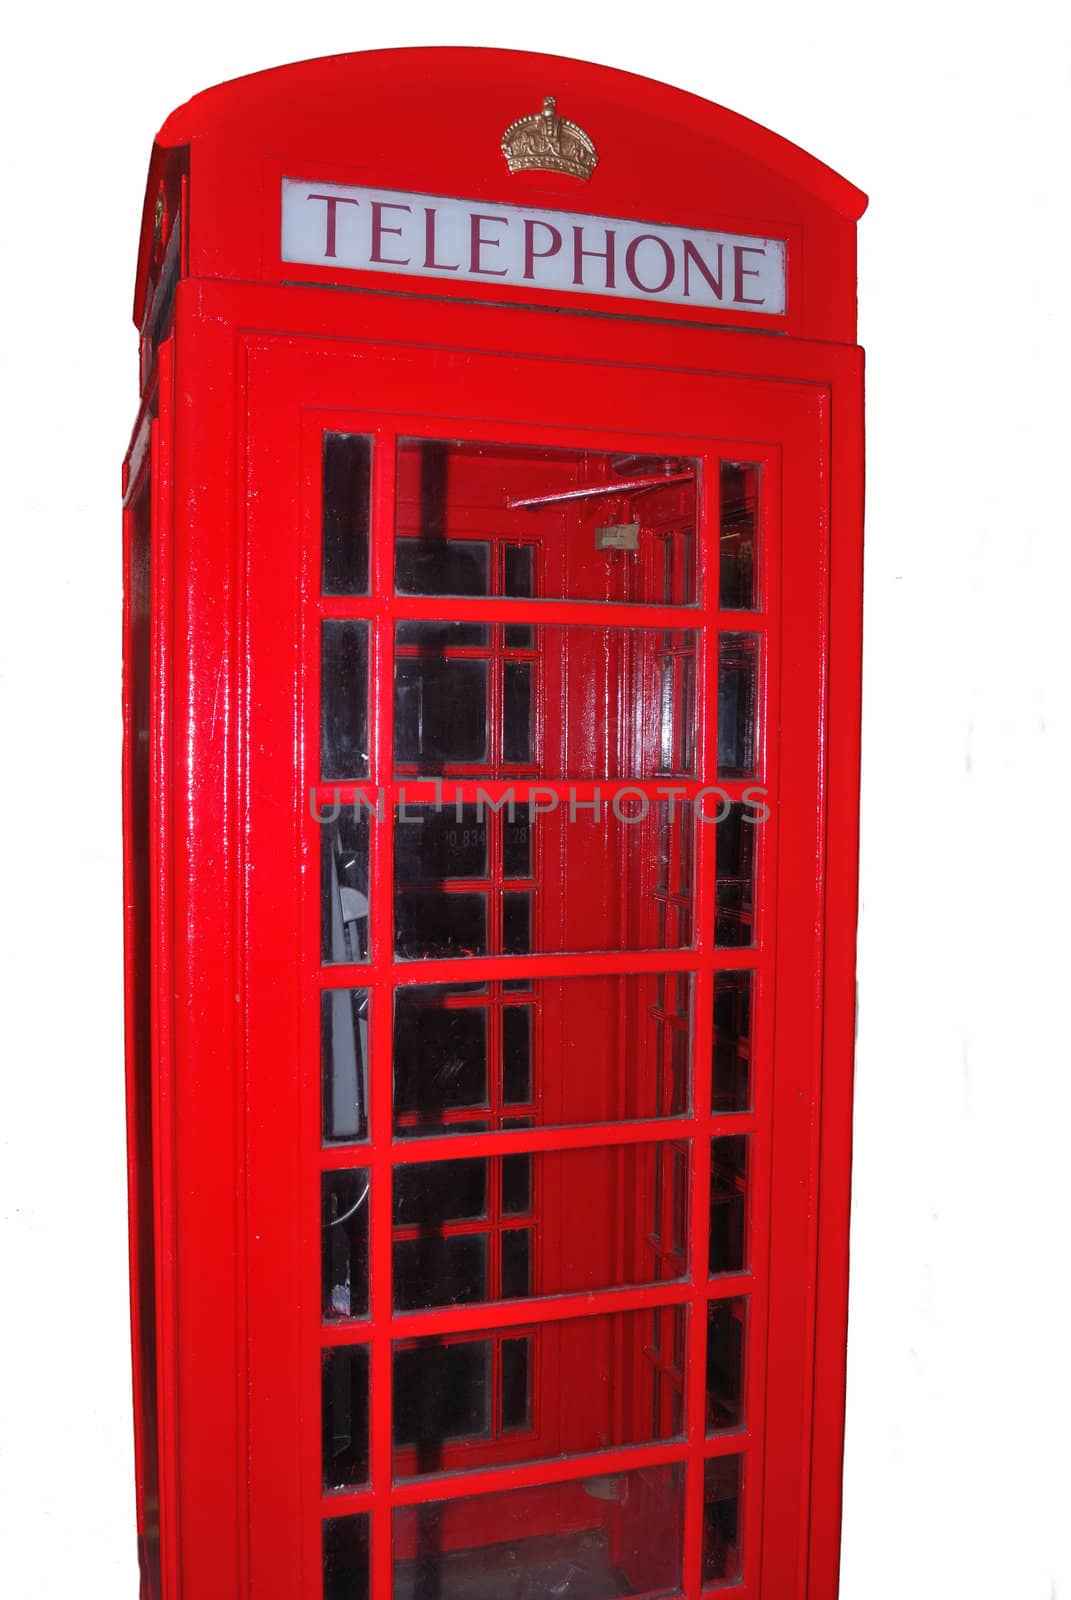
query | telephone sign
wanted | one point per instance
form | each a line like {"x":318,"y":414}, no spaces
{"x":429,"y":236}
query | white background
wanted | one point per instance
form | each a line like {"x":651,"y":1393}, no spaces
{"x":954,"y":118}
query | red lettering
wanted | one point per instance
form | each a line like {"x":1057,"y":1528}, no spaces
{"x":606,"y":255}
{"x":333,"y":203}
{"x":379,"y":229}
{"x":630,"y":263}
{"x":531,"y":254}
{"x":478,"y":243}
{"x":430,"y":263}
{"x":740,"y":272}
{"x":692,"y":256}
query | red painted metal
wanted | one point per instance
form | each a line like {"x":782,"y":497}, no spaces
{"x":244,"y":370}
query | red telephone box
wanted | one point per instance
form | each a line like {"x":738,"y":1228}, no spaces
{"x":493,"y":554}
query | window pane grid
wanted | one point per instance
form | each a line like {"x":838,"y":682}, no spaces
{"x":385,"y":607}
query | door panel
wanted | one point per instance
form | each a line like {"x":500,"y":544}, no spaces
{"x":531,"y":973}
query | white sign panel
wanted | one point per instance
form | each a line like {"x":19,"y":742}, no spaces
{"x":380,"y":230}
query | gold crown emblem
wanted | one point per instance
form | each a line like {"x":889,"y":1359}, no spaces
{"x":545,"y":142}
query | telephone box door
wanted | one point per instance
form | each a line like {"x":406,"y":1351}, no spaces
{"x":532,"y":699}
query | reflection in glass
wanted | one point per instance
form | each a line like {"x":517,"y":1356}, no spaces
{"x":732,"y":1041}
{"x":344,"y":699}
{"x":344,"y":887}
{"x":735,"y":868}
{"x":574,"y":1050}
{"x":347,"y":462}
{"x":721,"y":1520}
{"x":728,"y":1203}
{"x":726,"y":1324}
{"x":346,"y":1558}
{"x":344,"y":1236}
{"x":738,"y":535}
{"x":604,"y":1537}
{"x":344,"y":1060}
{"x":528,"y":506}
{"x":345,"y":1417}
{"x":738,"y":699}
{"x":445,"y":1391}
{"x":452,"y":1219}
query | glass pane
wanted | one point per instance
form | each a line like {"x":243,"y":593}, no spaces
{"x":344,"y":887}
{"x":440,"y":1053}
{"x":517,"y":843}
{"x":447,"y":1211}
{"x":516,"y":1185}
{"x":440,"y":709}
{"x":732,"y":1041}
{"x":738,"y":700}
{"x":735,"y":866}
{"x":428,"y":924}
{"x":726,"y":1330}
{"x":345,"y":1417}
{"x":440,"y":1271}
{"x":344,"y":1059}
{"x":346,"y":1558}
{"x":721,"y":1520}
{"x":738,"y":536}
{"x":516,"y":923}
{"x":572,"y":1051}
{"x":434,"y":849}
{"x":347,"y":464}
{"x":516,"y":1384}
{"x":442,"y":1393}
{"x":442,"y":566}
{"x":517,"y":1055}
{"x":600,"y":1394}
{"x":554,"y":520}
{"x":517,"y":1260}
{"x":630,"y":694}
{"x":448,"y":904}
{"x":592,"y":1539}
{"x":429,"y":1193}
{"x":432,"y":843}
{"x":728,"y":1204}
{"x":517,"y":712}
{"x":344,"y":1232}
{"x":433,"y":638}
{"x":344,"y":700}
{"x":518,"y":569}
